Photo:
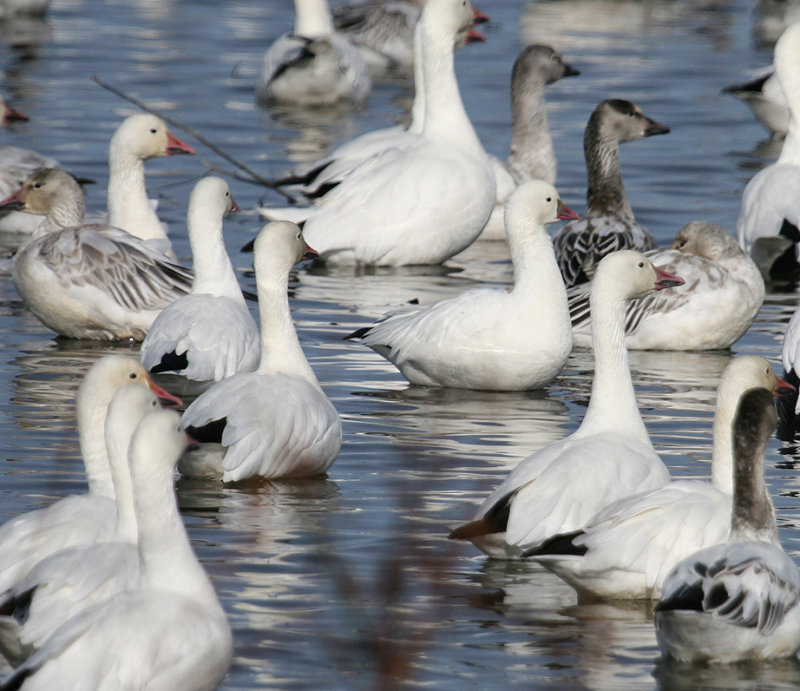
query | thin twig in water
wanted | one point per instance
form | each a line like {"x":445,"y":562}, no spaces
{"x":255,"y":178}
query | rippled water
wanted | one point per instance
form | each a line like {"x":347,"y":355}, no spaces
{"x":349,"y":581}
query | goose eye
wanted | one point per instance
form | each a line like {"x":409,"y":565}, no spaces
{"x":133,"y":375}
{"x":37,"y":185}
{"x":641,"y":265}
{"x":549,"y":199}
{"x":153,"y":130}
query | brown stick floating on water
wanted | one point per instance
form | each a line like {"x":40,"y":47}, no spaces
{"x":255,"y":177}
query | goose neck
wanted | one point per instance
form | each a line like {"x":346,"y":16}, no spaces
{"x":117,"y":444}
{"x":280,"y":347}
{"x":535,"y":269}
{"x":213,"y":272}
{"x":531,"y":142}
{"x":418,"y":107}
{"x":605,"y":193}
{"x":128,"y":205}
{"x":613,"y":401}
{"x":445,"y":116}
{"x":312,"y":18}
{"x":753,"y":516}
{"x":91,"y":417}
{"x":722,"y":444}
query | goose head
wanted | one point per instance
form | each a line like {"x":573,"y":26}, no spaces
{"x":623,"y":121}
{"x":749,"y":372}
{"x":279,"y":246}
{"x":706,"y":240}
{"x":112,"y":372}
{"x":158,"y":442}
{"x":213,"y":196}
{"x":45,"y":190}
{"x":787,"y":64}
{"x":536,"y":201}
{"x":540,"y":63}
{"x":630,"y":274}
{"x":145,"y":136}
{"x":454,"y":17}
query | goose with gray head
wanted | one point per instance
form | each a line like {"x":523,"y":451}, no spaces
{"x":560,"y":487}
{"x":739,"y":600}
{"x":532,"y":154}
{"x":426,"y":202}
{"x":170,"y":631}
{"x":208,"y":334}
{"x":314,"y":65}
{"x":720,"y":298}
{"x":74,"y":578}
{"x":80,"y":518}
{"x":491,"y":338}
{"x":88,"y":281}
{"x":275,"y":422}
{"x":769,"y":216}
{"x":626,"y":550}
{"x":608,"y":224}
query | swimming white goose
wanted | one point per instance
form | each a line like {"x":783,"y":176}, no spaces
{"x":276,"y":421}
{"x":764,"y":96}
{"x":719,"y":300}
{"x":87,"y":280}
{"x":315,"y":179}
{"x":208,"y":334}
{"x":769,"y":217}
{"x":170,"y":632}
{"x":314,"y":65}
{"x":81,"y":518}
{"x":626,"y":550}
{"x":426,"y":202}
{"x":560,"y":487}
{"x":139,"y":137}
{"x":532,"y":154}
{"x":74,"y":578}
{"x":491,"y":338}
{"x":608,"y":224}
{"x":739,"y":600}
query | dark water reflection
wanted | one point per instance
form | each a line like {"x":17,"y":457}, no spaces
{"x":350,"y":582}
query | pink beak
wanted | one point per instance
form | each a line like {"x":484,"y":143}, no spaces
{"x":14,"y":201}
{"x":12,"y":114}
{"x":665,"y":280}
{"x":176,"y":146}
{"x":564,"y":213}
{"x":783,"y":388}
{"x":310,"y":252}
{"x":163,"y":394}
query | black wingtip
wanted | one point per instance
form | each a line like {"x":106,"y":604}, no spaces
{"x":170,"y":362}
{"x":688,"y":598}
{"x":209,"y":433}
{"x":358,"y":334}
{"x":558,"y":544}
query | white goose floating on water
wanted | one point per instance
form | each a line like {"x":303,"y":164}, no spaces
{"x":315,"y":179}
{"x":532,"y":154}
{"x":80,"y":518}
{"x":739,"y":600}
{"x":74,"y":578}
{"x":314,"y":65}
{"x":275,"y":422}
{"x":208,"y":334}
{"x":426,"y":202}
{"x":608,"y":224}
{"x":560,"y":487}
{"x":88,"y":281}
{"x":769,"y":217}
{"x":170,"y":632}
{"x":491,"y":338}
{"x":720,"y":298}
{"x":626,"y":550}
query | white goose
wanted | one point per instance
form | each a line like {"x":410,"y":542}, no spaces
{"x":314,"y":180}
{"x":87,"y":280}
{"x":81,"y":518}
{"x":314,"y":65}
{"x":626,"y":550}
{"x":769,"y":217}
{"x":719,"y":300}
{"x":491,"y":338}
{"x":208,"y":334}
{"x":274,"y":422}
{"x":426,"y":202}
{"x":532,"y":155}
{"x":170,"y":632}
{"x":764,"y":96}
{"x":739,"y":600}
{"x":608,"y":224}
{"x":560,"y":487}
{"x":74,"y":578}
{"x":788,"y":408}
{"x":139,"y":138}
